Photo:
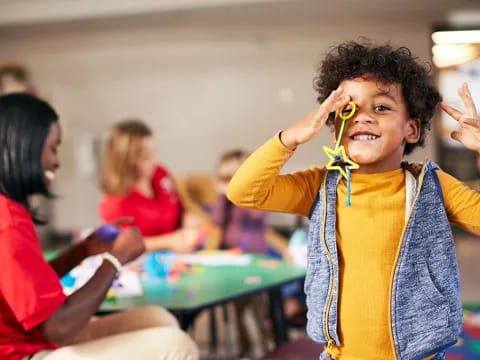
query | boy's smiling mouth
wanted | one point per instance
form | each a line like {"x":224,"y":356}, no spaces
{"x":363,"y":136}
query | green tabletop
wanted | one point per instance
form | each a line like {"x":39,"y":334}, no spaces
{"x":51,"y":254}
{"x":209,"y":285}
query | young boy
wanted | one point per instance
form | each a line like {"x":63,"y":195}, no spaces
{"x":382,"y":279}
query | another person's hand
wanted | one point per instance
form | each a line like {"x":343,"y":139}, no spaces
{"x":469,"y":134}
{"x":184,"y":240}
{"x":308,"y":127}
{"x":192,"y":220}
{"x":128,"y":245}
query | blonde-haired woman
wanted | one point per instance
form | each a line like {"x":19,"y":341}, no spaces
{"x":136,"y":186}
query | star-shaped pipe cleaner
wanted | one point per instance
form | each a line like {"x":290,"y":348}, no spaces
{"x":338,"y":159}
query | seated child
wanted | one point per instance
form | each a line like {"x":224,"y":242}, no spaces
{"x":242,"y":228}
{"x":245,"y":229}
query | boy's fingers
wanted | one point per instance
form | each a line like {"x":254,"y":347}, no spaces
{"x":332,"y":99}
{"x":454,"y":113}
{"x":320,"y":116}
{"x":456,"y":135}
{"x":471,"y":104}
{"x":472,"y":123}
{"x":331,"y":104}
{"x":341,"y":102}
{"x":322,"y":112}
{"x":466,"y":97}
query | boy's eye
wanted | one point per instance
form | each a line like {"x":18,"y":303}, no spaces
{"x":381,"y":108}
{"x":346,"y":110}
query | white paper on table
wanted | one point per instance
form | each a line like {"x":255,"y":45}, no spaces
{"x":127,"y":284}
{"x":214,"y":259}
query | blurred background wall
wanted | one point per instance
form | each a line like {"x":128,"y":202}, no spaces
{"x":206,"y":75}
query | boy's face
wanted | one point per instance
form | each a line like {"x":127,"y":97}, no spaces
{"x":375,"y":136}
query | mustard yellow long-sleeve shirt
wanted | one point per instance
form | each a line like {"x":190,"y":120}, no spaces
{"x":368,"y":235}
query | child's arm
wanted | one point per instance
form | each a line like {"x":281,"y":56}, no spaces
{"x":461,"y":202}
{"x":258,"y":183}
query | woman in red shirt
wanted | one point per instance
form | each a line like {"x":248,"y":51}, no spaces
{"x":136,"y":187}
{"x":37,"y":320}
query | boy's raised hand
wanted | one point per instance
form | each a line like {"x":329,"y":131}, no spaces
{"x":469,"y":135}
{"x":308,"y":127}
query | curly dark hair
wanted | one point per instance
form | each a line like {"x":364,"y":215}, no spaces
{"x":383,"y":63}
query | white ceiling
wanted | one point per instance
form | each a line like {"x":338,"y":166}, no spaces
{"x":14,"y":13}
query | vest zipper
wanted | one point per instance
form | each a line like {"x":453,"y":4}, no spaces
{"x":330,"y":341}
{"x":402,"y":239}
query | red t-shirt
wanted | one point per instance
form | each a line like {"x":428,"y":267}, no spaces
{"x":155,"y":215}
{"x":30,"y":290}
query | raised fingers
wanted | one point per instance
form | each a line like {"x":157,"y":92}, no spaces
{"x":456,"y":135}
{"x":466,"y":96}
{"x":473,"y":123}
{"x":338,"y":100}
{"x":321,"y":114}
{"x":454,"y":113}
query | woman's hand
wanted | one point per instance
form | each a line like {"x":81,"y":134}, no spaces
{"x":469,"y":134}
{"x":128,"y":245}
{"x":308,"y":127}
{"x":94,"y":245}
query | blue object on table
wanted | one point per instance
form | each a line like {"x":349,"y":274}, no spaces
{"x":68,"y":281}
{"x":107,"y":233}
{"x":158,"y":264}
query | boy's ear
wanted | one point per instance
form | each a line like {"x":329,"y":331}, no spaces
{"x":412,"y":133}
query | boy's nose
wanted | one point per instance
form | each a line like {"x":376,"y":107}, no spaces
{"x":363,"y":118}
